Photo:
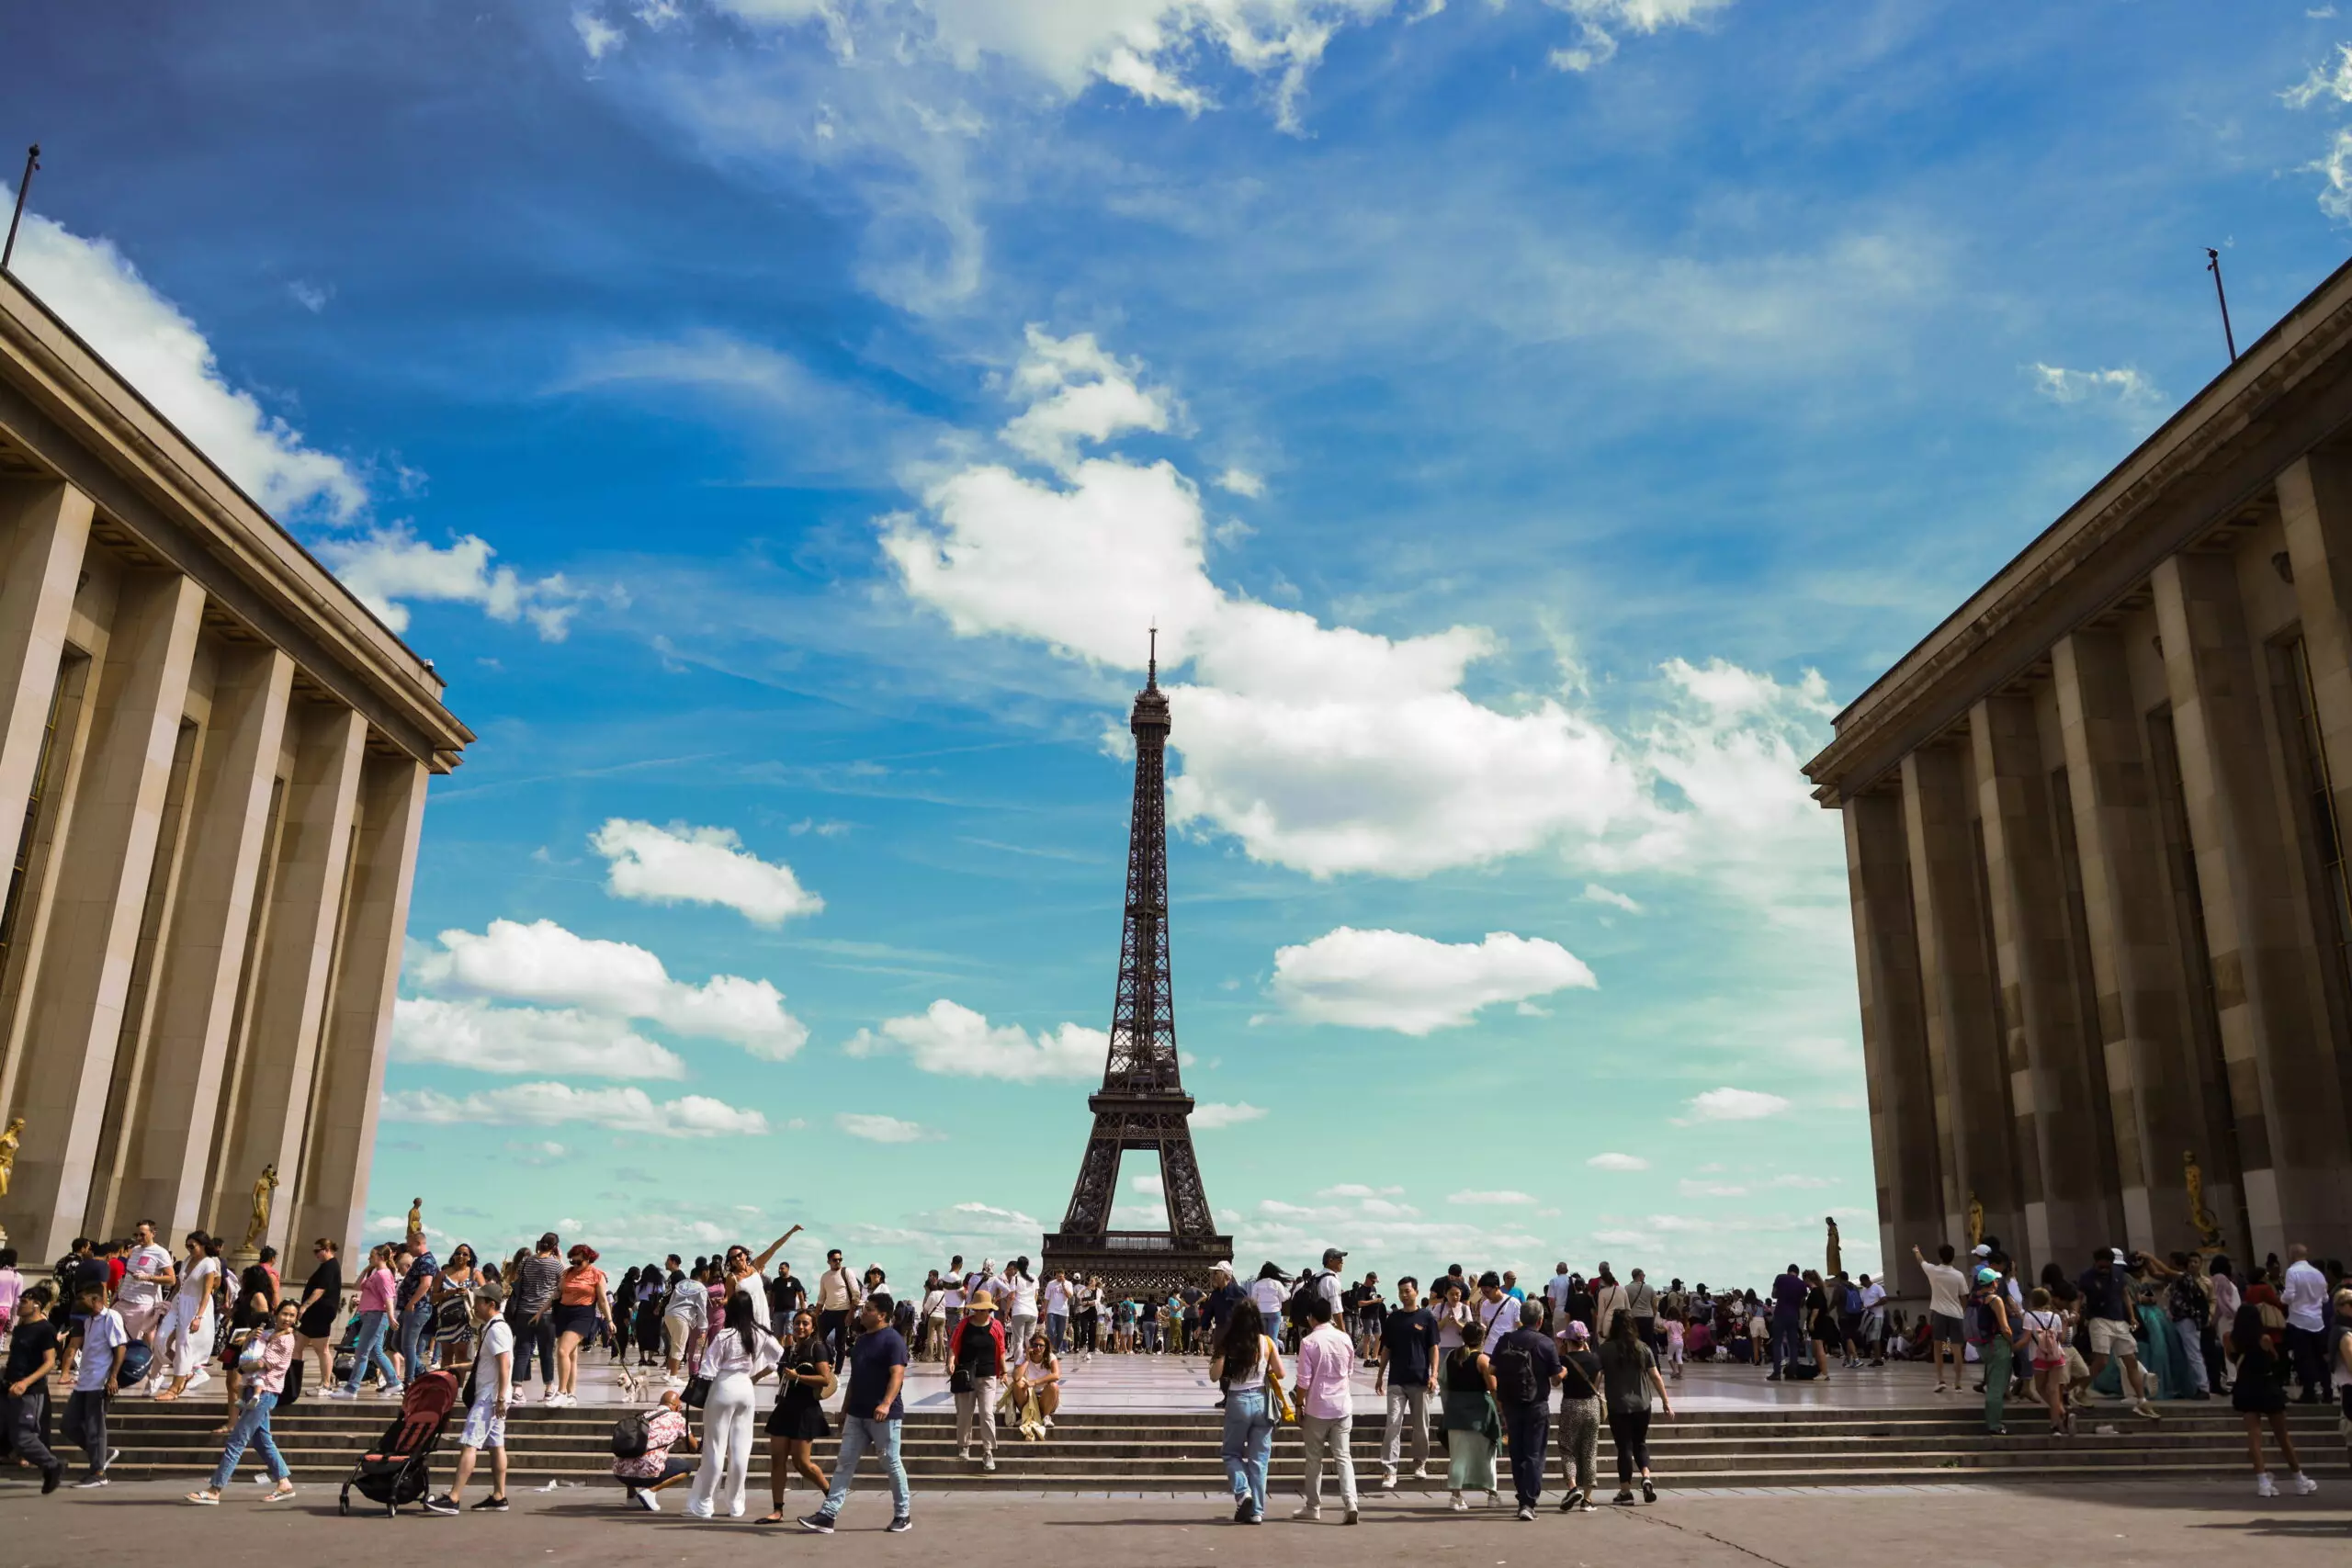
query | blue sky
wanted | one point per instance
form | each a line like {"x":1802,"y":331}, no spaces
{"x":780,"y":419}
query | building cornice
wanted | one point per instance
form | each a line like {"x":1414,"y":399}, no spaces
{"x":2286,"y":393}
{"x":69,"y":409}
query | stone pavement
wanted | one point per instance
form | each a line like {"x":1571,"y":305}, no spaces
{"x":2192,"y":1526}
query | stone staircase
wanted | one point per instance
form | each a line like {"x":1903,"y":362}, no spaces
{"x":1178,"y":1452}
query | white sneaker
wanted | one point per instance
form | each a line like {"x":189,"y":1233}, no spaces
{"x":1458,"y":1505}
{"x":341,"y":1393}
{"x":647,"y":1501}
{"x":552,"y":1396}
{"x":2304,"y":1484}
{"x":1388,"y":1481}
{"x":2264,"y":1486}
{"x":1423,"y":1474}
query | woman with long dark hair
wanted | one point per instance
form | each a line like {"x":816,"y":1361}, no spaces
{"x":1629,"y":1375}
{"x":1474,"y":1426}
{"x":187,"y":1331}
{"x":1249,"y":1366}
{"x":453,"y":1308}
{"x":740,"y":1351}
{"x":805,"y":1376}
{"x":2260,"y":1395}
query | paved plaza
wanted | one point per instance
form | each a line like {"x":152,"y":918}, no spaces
{"x":1950,"y":1526}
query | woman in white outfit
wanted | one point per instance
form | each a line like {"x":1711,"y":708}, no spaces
{"x":187,"y":1331}
{"x":739,"y":1352}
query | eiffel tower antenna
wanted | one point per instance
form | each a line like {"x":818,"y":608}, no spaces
{"x":1142,"y":1105}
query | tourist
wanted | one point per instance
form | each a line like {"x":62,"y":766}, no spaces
{"x":1327,"y":1360}
{"x":412,"y":1307}
{"x":1271,"y":1292}
{"x":1788,"y":1322}
{"x":2110,"y":1311}
{"x":1498,"y":1313}
{"x":375,"y":1304}
{"x":644,"y":1475}
{"x":256,"y":1307}
{"x":976,"y":1358}
{"x":1995,"y":1336}
{"x":683,"y":1313}
{"x":740,"y":1353}
{"x":581,"y":1314}
{"x":187,"y":1331}
{"x":485,"y":1427}
{"x":318,"y":1313}
{"x":1036,"y":1392}
{"x":533,"y":1293}
{"x":1641,"y":1300}
{"x":1019,"y":1301}
{"x":263,"y":1360}
{"x":1224,"y":1294}
{"x":1248,"y":1365}
{"x":98,"y":1346}
{"x":837,"y":1298}
{"x":24,"y":1412}
{"x":2260,"y":1395}
{"x":453,"y":1308}
{"x":1367,"y":1312}
{"x":2302,"y":1294}
{"x":1945,"y":1285}
{"x":1406,"y":1358}
{"x":1629,"y":1376}
{"x":1874,"y":1339}
{"x":1820,"y":1323}
{"x":2340,"y":1361}
{"x":2044,"y":1343}
{"x":1473,"y":1426}
{"x":1525,"y":1365}
{"x":872,"y":1412}
{"x":805,"y":1379}
{"x":1677,"y":1341}
{"x":1556,"y":1292}
{"x":1608,"y":1297}
{"x":147,"y":1272}
{"x":1087,"y":1316}
{"x":1057,"y":1305}
{"x":786,"y":1294}
{"x":1581,"y":1384}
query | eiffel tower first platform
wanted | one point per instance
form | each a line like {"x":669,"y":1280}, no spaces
{"x":1142,"y":1105}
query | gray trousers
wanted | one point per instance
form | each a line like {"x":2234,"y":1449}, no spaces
{"x":980,"y":1405}
{"x":27,"y":1416}
{"x":1408,"y":1410}
{"x":1328,"y":1438}
{"x":85,"y":1424}
{"x":1579,"y":1443}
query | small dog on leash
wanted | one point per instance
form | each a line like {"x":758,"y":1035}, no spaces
{"x":636,"y":1386}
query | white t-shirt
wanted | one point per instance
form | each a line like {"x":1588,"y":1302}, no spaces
{"x":2304,"y":1296}
{"x":1555,"y":1290}
{"x":100,"y":1335}
{"x":1057,"y":1299}
{"x":497,"y":1339}
{"x":1872,"y":1294}
{"x":1945,"y":1287}
{"x":1024,"y":1295}
{"x":951,"y":1300}
{"x":689,"y":1302}
{"x":142,"y":1294}
{"x":1268,"y":1294}
{"x":1501,"y":1316}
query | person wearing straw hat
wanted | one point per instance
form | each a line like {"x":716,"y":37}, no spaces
{"x":975,"y":1373}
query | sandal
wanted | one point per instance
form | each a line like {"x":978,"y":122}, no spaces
{"x":278,"y":1493}
{"x":205,"y":1499}
{"x":774,"y":1518}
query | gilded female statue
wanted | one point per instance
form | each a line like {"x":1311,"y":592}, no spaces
{"x":259,"y":1227}
{"x":10,"y":1140}
{"x":2193,"y":1175}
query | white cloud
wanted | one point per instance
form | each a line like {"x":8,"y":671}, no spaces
{"x":544,"y":964}
{"x":1242,"y":481}
{"x":1691,"y":1188}
{"x":2125,"y":386}
{"x":597,"y":36}
{"x":2337,"y":200}
{"x":1209,"y":1115}
{"x":1385,"y":979}
{"x":1153,"y":1186}
{"x":2331,"y":80}
{"x":1076,"y":393}
{"x":884,"y":1129}
{"x":547,"y":1104}
{"x":1600,"y":21}
{"x":311,"y":297}
{"x":386,"y":566}
{"x":1802,"y":1181}
{"x":1502,"y":1198}
{"x":159,"y":350}
{"x":487,"y":1039}
{"x":1735,"y":1105}
{"x":1618,"y":1162}
{"x":700,"y":865}
{"x":1596,"y":894}
{"x":1358,"y":1189}
{"x":955,"y":1041}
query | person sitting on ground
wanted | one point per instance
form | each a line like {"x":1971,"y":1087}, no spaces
{"x":1039,"y":1376}
{"x":656,"y":1467}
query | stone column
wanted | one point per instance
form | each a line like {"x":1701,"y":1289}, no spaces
{"x":2285,"y":1096}
{"x":359,"y":1026}
{"x":297,"y":959}
{"x":1911,"y":1205}
{"x":2315,"y":505}
{"x":67,"y":1061}
{"x":2052,"y":1053}
{"x":165,"y":1157}
{"x":1964,"y":1035}
{"x":2145,"y":1033}
{"x":43,"y":531}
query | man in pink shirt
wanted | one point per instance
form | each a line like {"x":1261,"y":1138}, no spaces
{"x":1327,"y":1418}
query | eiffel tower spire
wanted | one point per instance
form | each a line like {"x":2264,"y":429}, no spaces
{"x":1142,"y":1105}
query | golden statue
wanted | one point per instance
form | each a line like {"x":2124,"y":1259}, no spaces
{"x":9,"y":1138}
{"x":259,"y":1227}
{"x":1836,"y":1263}
{"x":416,"y":1216}
{"x":2193,"y":1175}
{"x":1976,"y":1221}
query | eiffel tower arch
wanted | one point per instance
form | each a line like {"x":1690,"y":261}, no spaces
{"x":1142,"y":1105}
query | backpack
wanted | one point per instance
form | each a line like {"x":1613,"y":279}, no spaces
{"x":1310,"y":1285}
{"x":633,"y":1435}
{"x":2042,"y":1330}
{"x":1515,"y":1380}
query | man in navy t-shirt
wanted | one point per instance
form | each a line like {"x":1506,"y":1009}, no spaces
{"x":1407,"y":1360}
{"x":871,"y":1411}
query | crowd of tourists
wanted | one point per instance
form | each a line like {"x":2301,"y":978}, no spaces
{"x":1468,"y":1362}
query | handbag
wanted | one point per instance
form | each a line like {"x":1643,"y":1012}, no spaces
{"x":697,"y":1392}
{"x":1278,"y":1399}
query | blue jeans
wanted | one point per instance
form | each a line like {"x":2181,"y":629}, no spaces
{"x":370,"y":1348}
{"x":251,"y":1426}
{"x":859,"y":1434}
{"x":416,"y":1338}
{"x":1058,"y":1331}
{"x":1249,"y":1445}
{"x":1787,"y":1345}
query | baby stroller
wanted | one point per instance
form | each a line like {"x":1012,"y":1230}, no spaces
{"x":399,"y":1469}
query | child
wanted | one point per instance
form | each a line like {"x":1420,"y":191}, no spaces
{"x":2045,"y":1333}
{"x":1674,"y":1342}
{"x":100,"y":1339}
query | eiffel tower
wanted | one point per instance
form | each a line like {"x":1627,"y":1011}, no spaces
{"x":1142,"y":1105}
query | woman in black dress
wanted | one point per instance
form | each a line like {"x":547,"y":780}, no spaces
{"x":321,"y":1310}
{"x":1820,"y":1323}
{"x":2260,"y":1395}
{"x":806,"y":1377}
{"x":645,"y":1313}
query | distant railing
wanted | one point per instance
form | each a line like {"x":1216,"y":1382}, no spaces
{"x":1138,"y":1241}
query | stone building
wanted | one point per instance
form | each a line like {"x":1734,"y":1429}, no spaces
{"x":2094,"y":830}
{"x":211,"y":778}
